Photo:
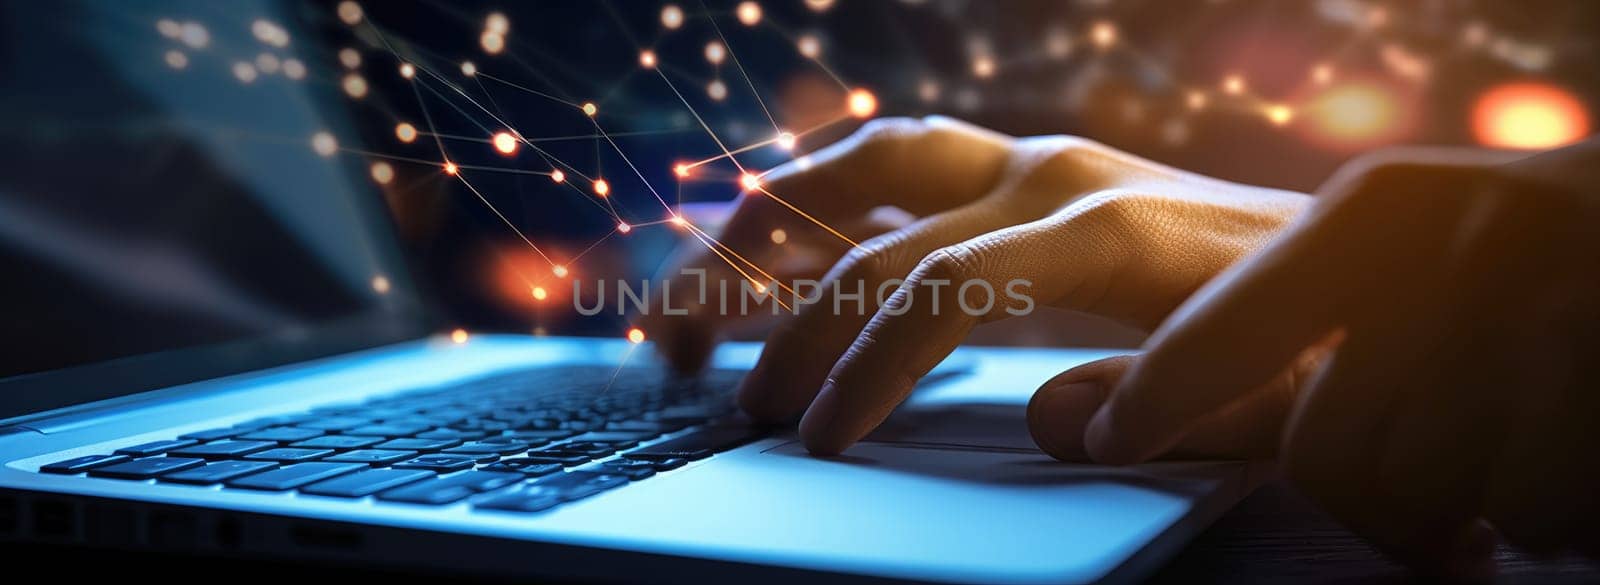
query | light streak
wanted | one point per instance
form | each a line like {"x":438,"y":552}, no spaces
{"x":808,"y":217}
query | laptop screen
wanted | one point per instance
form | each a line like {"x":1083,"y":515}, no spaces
{"x":172,"y":180}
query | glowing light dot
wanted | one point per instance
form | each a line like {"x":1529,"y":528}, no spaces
{"x":294,"y":69}
{"x":324,"y":144}
{"x":459,"y":336}
{"x":647,"y":59}
{"x":671,"y":16}
{"x":268,"y":63}
{"x":1279,"y":114}
{"x":1354,"y":114}
{"x":244,"y":71}
{"x":1233,"y":84}
{"x":928,"y":90}
{"x":803,"y":163}
{"x":169,"y":28}
{"x":681,"y":170}
{"x":749,"y":182}
{"x":785,"y":140}
{"x":380,"y":284}
{"x":355,"y":86}
{"x":492,"y":42}
{"x":601,"y":187}
{"x":1103,"y":34}
{"x":539,"y":293}
{"x":749,"y":13}
{"x":717,"y":90}
{"x":176,"y":59}
{"x":560,"y":271}
{"x":715,"y":52}
{"x":557,"y":176}
{"x":497,"y":23}
{"x":450,"y":168}
{"x":862,"y":103}
{"x":505,"y":142}
{"x":408,"y":70}
{"x":623,"y":227}
{"x":382,"y":172}
{"x":779,"y":236}
{"x":1196,"y":100}
{"x":589,"y":109}
{"x":194,"y":35}
{"x":405,"y":132}
{"x":819,"y":5}
{"x":760,"y":288}
{"x":809,"y":46}
{"x":1322,"y":74}
{"x":468,"y":69}
{"x":1529,"y":115}
{"x":349,"y":12}
{"x":678,"y":220}
{"x":350,"y":58}
{"x":635,"y":335}
{"x":983,"y":67}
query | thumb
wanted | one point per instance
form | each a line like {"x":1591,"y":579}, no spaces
{"x":1248,"y":429}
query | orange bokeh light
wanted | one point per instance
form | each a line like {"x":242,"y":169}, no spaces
{"x":1529,"y":115}
{"x":505,"y":143}
{"x":459,"y":336}
{"x":862,"y":103}
{"x":635,"y":335}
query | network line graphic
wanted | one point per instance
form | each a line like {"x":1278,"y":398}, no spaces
{"x":1353,"y":95}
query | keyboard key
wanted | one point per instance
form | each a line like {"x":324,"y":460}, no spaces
{"x":664,"y":464}
{"x":222,"y":449}
{"x":418,"y":444}
{"x":82,"y":464}
{"x":217,"y":472}
{"x":567,"y":460}
{"x":698,"y":444}
{"x":591,"y":450}
{"x":480,"y":448}
{"x":506,"y":439}
{"x":274,"y":421}
{"x":281,"y":434}
{"x":451,"y":434}
{"x":334,"y":423}
{"x":633,"y":469}
{"x":155,"y":448}
{"x":533,"y":500}
{"x":293,"y":476}
{"x":439,"y":463}
{"x":617,"y":439}
{"x":289,"y":455}
{"x":212,"y":434}
{"x":524,"y":466}
{"x":540,"y":437}
{"x":373,"y":457}
{"x":145,"y":468}
{"x":574,"y":485}
{"x":449,"y":489}
{"x":366,"y":483}
{"x":646,"y":426}
{"x":337,"y":442}
{"x":387,"y":430}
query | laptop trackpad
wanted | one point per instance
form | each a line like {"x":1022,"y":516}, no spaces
{"x":983,"y":426}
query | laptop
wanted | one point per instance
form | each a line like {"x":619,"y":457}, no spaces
{"x":213,"y":347}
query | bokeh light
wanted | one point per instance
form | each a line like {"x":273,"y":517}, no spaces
{"x":635,"y":335}
{"x":1354,"y":114}
{"x":862,"y":103}
{"x":1529,"y":115}
{"x":505,"y":143}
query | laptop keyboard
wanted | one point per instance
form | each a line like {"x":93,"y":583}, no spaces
{"x":520,"y":442}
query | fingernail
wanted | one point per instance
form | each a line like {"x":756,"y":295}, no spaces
{"x":817,"y":424}
{"x":1098,"y":442}
{"x":1058,"y":415}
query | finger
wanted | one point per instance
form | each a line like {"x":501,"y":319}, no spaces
{"x":801,"y":350}
{"x":1246,"y":325}
{"x":1252,"y":429}
{"x":992,"y":276}
{"x":1370,"y":443}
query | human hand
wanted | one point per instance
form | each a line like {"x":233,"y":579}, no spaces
{"x":1446,"y":306}
{"x":1091,"y":229}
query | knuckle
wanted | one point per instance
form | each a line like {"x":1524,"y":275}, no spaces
{"x":953,"y":263}
{"x":866,"y":264}
{"x":879,"y":131}
{"x":1114,"y":209}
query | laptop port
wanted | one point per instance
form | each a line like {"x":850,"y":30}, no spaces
{"x":53,"y":519}
{"x":318,"y":537}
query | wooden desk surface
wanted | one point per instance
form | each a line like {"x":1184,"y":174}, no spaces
{"x":1276,"y":536}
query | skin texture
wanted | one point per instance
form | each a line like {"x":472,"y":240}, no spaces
{"x":1415,"y":348}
